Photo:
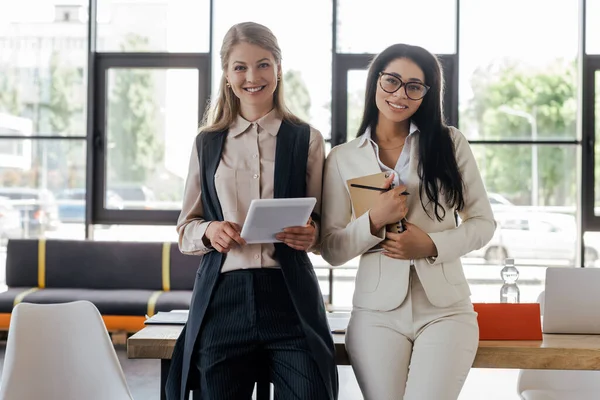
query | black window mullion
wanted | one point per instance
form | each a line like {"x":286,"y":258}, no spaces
{"x":590,"y":221}
{"x":43,"y":137}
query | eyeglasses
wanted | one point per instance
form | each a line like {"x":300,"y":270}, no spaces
{"x":391,"y":83}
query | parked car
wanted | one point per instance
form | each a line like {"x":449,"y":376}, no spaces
{"x":10,"y":221}
{"x":498,"y":200}
{"x":39,"y":212}
{"x":535,"y":235}
{"x":71,"y":204}
{"x":135,"y":196}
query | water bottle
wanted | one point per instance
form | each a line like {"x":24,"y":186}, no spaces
{"x":510,"y":291}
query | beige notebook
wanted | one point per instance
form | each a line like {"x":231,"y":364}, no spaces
{"x":364,"y":192}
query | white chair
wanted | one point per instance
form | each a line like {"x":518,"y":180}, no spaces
{"x":61,"y":352}
{"x":535,"y":384}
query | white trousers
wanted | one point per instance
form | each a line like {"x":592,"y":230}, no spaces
{"x":414,"y":352}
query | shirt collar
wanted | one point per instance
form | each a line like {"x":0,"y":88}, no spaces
{"x":367,"y":135}
{"x":270,"y":123}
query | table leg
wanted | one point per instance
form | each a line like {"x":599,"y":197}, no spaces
{"x":164,"y":373}
{"x":263,"y":390}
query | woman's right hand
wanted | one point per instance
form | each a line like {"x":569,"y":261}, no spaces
{"x":224,"y":235}
{"x":390,"y":207}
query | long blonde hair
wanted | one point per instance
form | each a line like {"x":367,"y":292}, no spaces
{"x":221,"y":114}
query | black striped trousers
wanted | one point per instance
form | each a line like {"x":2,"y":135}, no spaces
{"x":251,"y":330}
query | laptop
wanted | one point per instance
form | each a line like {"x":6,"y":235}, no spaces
{"x":572,"y":301}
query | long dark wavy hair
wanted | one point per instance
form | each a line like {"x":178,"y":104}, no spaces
{"x":437,"y":168}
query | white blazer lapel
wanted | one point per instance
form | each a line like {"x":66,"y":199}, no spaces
{"x":366,"y":160}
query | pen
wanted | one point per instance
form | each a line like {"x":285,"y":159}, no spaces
{"x":375,"y":188}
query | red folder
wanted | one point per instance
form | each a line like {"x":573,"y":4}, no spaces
{"x":507,"y":321}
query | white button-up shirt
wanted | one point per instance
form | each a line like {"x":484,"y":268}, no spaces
{"x":401,"y":169}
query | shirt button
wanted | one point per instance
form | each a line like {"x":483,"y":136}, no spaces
{"x":255,"y":176}
{"x":256,"y":256}
{"x":254,"y":155}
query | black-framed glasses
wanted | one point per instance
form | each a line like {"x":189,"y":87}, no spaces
{"x":390,"y":83}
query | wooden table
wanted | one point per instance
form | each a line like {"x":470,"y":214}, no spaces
{"x":570,"y":352}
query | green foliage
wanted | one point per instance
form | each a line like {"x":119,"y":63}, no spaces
{"x":549,"y":97}
{"x":9,"y":94}
{"x":61,"y":106}
{"x":134,"y":149}
{"x":297,"y":97}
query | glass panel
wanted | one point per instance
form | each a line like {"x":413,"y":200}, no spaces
{"x":43,"y":67}
{"x":592,"y":37}
{"x":388,"y":22}
{"x":512,"y":85}
{"x":140,"y":233}
{"x":357,"y":81}
{"x":153,"y":26}
{"x":36,"y":183}
{"x":536,"y":223}
{"x":305,"y":41}
{"x":152,"y":117}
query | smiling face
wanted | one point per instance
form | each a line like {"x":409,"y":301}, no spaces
{"x":252,"y":74}
{"x":397,"y":107}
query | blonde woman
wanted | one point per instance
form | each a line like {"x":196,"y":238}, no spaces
{"x":257,"y":309}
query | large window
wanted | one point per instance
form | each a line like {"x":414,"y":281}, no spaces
{"x":151,"y":67}
{"x":149,"y":108}
{"x":43,"y":109}
{"x":151,"y":83}
{"x":518,"y":99}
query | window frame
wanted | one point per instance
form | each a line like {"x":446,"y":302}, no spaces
{"x":103,"y":63}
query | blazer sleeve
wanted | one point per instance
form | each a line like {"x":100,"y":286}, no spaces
{"x":342,"y":238}
{"x":314,"y":180}
{"x":478,"y":223}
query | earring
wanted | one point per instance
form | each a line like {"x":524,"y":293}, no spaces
{"x":278,"y":78}
{"x":228,"y":85}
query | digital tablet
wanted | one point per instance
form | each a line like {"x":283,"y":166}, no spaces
{"x":268,"y":217}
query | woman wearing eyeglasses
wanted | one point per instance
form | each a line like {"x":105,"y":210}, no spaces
{"x":413,"y":333}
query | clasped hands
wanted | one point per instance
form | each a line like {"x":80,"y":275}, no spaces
{"x":225,"y":235}
{"x":413,"y":243}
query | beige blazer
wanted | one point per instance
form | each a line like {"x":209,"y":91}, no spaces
{"x":382,"y":282}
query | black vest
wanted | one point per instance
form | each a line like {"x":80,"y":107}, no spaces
{"x":290,"y":181}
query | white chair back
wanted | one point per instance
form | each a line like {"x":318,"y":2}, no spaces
{"x":61,"y":352}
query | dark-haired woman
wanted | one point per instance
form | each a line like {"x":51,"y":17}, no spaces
{"x":413,"y":333}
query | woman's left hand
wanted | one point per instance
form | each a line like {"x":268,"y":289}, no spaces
{"x":411,"y":244}
{"x":299,"y":237}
